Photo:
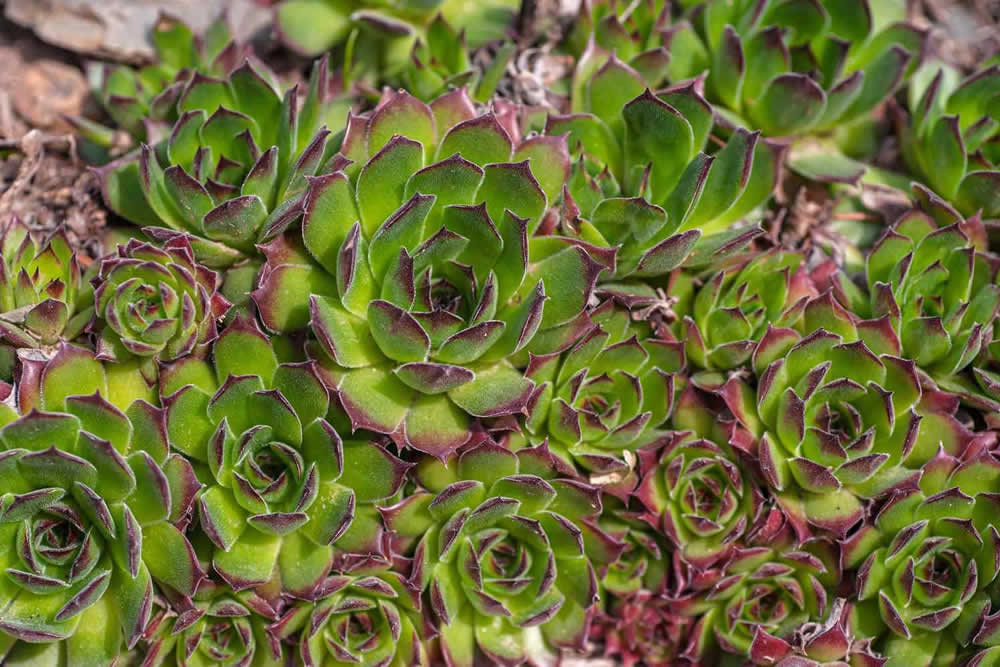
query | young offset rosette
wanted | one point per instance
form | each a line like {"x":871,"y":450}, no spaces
{"x":732,"y":310}
{"x":501,"y":553}
{"x":142,"y":102}
{"x":646,"y":187}
{"x":426,"y":283}
{"x":831,"y":643}
{"x":281,"y":487}
{"x":701,"y":495}
{"x":926,"y":564}
{"x":795,"y":67}
{"x":952,"y":140}
{"x":366,"y":616}
{"x":637,"y":557}
{"x":45,"y":293}
{"x":773,"y":589}
{"x":632,"y":32}
{"x":157,"y":302}
{"x":92,"y":510}
{"x":607,"y":395}
{"x":441,"y":60}
{"x":644,"y":629}
{"x":214,"y":627}
{"x":939,"y":293}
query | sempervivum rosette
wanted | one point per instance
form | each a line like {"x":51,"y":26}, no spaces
{"x":427,"y":284}
{"x":281,"y":486}
{"x":632,"y":33}
{"x":831,"y":643}
{"x":731,"y":311}
{"x":233,"y":169}
{"x":938,"y":292}
{"x":214,"y":627}
{"x":951,"y":141}
{"x":791,"y":68}
{"x":644,"y":187}
{"x":89,"y":516}
{"x":925,"y":565}
{"x":501,"y":553}
{"x":642,"y":629}
{"x":636,"y":556}
{"x":142,"y":102}
{"x":772,"y":584}
{"x":700,"y":494}
{"x":607,"y":395}
{"x":156,"y":302}
{"x":45,"y":295}
{"x":835,"y":421}
{"x":367,"y":615}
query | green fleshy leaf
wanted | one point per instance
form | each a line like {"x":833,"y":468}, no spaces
{"x":169,"y":557}
{"x":497,"y":390}
{"x":250,"y":561}
{"x":436,"y":426}
{"x":512,"y":187}
{"x":382,"y":181}
{"x":659,"y":135}
{"x":481,"y":140}
{"x":791,"y":103}
{"x":244,"y":350}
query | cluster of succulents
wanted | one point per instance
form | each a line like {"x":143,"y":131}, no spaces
{"x":394,"y":368}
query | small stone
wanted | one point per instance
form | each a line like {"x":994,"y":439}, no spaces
{"x":47,"y":89}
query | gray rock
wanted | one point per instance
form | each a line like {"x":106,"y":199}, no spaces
{"x":119,"y":29}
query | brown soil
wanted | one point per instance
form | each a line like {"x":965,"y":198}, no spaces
{"x":42,"y":180}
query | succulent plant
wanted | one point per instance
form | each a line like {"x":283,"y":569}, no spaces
{"x":142,"y":102}
{"x":501,"y":552}
{"x":213,"y":627}
{"x":440,"y":61}
{"x":926,"y":562}
{"x":633,"y":32}
{"x":281,"y":487}
{"x":233,"y":170}
{"x":987,"y":374}
{"x":795,"y":67}
{"x":642,"y":181}
{"x":367,"y":616}
{"x":831,"y":643}
{"x":951,"y":141}
{"x":774,"y":589}
{"x":835,"y":421}
{"x":45,"y":292}
{"x":636,"y":559}
{"x":939,"y":294}
{"x":643,"y":629}
{"x":93,"y":507}
{"x":700,"y":495}
{"x":607,"y":395}
{"x":426,"y":283}
{"x":378,"y":36}
{"x":732,"y":310}
{"x":488,"y":344}
{"x":157,"y":303}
